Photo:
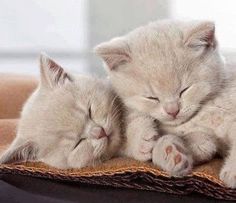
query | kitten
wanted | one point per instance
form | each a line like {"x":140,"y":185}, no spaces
{"x":173,"y":72}
{"x":73,"y":121}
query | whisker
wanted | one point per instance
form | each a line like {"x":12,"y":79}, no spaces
{"x":116,"y":114}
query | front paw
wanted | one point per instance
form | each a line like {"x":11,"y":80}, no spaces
{"x":170,"y":155}
{"x":144,"y":146}
{"x":202,"y":146}
{"x":228,"y":176}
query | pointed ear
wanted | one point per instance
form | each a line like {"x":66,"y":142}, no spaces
{"x":52,"y":74}
{"x":201,"y":35}
{"x":114,"y":53}
{"x":20,"y":153}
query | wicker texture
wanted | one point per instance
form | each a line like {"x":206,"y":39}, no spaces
{"x":127,"y":173}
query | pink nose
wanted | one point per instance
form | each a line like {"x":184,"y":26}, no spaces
{"x":172,"y":109}
{"x":173,"y":113}
{"x":101,"y":134}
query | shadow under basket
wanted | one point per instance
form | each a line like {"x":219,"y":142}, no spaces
{"x":128,"y":173}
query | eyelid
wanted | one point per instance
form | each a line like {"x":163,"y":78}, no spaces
{"x":181,"y":93}
{"x":77,"y":144}
{"x":153,"y":98}
{"x":90,"y":113}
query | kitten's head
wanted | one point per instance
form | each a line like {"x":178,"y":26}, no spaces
{"x":165,"y":69}
{"x":69,"y":121}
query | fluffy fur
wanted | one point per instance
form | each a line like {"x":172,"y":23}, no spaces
{"x":73,"y":121}
{"x":70,"y":121}
{"x":173,"y":72}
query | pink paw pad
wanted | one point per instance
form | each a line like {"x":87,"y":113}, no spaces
{"x":169,"y":150}
{"x":177,"y":159}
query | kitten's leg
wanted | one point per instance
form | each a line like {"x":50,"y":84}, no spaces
{"x":228,"y":171}
{"x":171,"y":155}
{"x":141,"y":135}
{"x":201,"y":145}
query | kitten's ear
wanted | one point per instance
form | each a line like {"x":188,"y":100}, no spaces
{"x":202,"y":34}
{"x":52,"y":74}
{"x":20,"y":153}
{"x":114,"y":52}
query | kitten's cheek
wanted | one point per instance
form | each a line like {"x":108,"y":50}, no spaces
{"x":81,"y":156}
{"x":140,"y":105}
{"x":99,"y":146}
{"x":198,"y":93}
{"x":187,"y":112}
{"x":159,"y":114}
{"x":155,"y":115}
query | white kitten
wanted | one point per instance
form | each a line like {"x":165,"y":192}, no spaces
{"x":73,"y":121}
{"x":140,"y":136}
{"x":68,"y":122}
{"x":173,"y":72}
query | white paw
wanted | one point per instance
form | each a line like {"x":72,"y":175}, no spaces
{"x":144,"y":147}
{"x":202,"y":146}
{"x":228,"y":176}
{"x":169,"y":154}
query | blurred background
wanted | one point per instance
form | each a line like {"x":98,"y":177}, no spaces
{"x":67,"y":30}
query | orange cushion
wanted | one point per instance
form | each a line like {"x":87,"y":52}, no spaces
{"x":14,"y":90}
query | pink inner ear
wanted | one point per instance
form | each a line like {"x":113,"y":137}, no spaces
{"x":114,"y":53}
{"x":209,"y":38}
{"x":57,"y":69}
{"x":114,"y":60}
{"x":202,"y":35}
{"x":60,"y":74}
{"x":53,"y":66}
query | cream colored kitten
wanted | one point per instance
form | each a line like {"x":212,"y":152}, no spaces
{"x":173,"y":72}
{"x":75,"y":121}
{"x":140,"y":136}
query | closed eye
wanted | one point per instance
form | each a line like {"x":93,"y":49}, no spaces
{"x":184,"y":90}
{"x":77,"y":144}
{"x":90,"y":113}
{"x":153,"y":98}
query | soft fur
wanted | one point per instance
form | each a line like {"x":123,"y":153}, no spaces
{"x":73,"y":121}
{"x":173,"y":72}
{"x":70,"y":121}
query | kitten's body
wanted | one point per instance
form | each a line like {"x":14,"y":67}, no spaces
{"x":215,"y":119}
{"x":173,"y":72}
{"x":215,"y":116}
{"x":140,"y":136}
{"x":73,"y":121}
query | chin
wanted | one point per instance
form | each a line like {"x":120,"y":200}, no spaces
{"x":175,"y":122}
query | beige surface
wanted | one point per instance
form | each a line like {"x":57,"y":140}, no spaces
{"x":14,"y":89}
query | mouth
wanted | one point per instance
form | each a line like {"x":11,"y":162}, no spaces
{"x":109,"y":136}
{"x":172,"y":121}
{"x":171,"y":118}
{"x":174,"y":118}
{"x":108,"y":132}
